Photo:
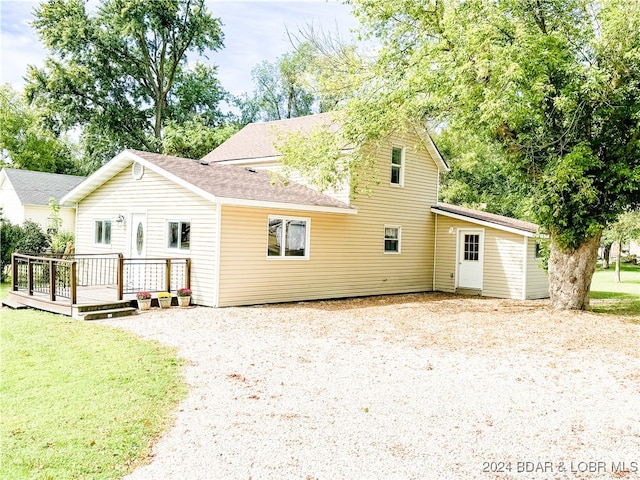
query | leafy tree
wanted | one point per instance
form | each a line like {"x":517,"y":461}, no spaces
{"x":120,"y":72}
{"x":192,"y":139}
{"x":26,"y":142}
{"x":197,"y":95}
{"x":480,"y":176}
{"x":281,"y":86}
{"x":624,"y":229}
{"x":552,"y":83}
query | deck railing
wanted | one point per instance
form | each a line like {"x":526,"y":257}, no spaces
{"x":59,"y":277}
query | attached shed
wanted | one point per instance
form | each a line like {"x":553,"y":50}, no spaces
{"x":486,"y":254}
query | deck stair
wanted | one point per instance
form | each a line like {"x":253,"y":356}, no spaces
{"x":12,"y":303}
{"x":99,"y":311}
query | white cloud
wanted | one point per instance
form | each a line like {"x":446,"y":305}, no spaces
{"x":254,"y":31}
{"x":19,"y":44}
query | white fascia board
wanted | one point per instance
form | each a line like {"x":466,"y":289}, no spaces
{"x":497,"y":226}
{"x":435,"y":154}
{"x":113,"y":167}
{"x":93,"y":181}
{"x":241,"y":202}
{"x":432,"y":149}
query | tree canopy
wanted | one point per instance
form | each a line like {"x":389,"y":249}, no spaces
{"x":26,"y":141}
{"x":282,"y":88}
{"x":120,"y":73}
{"x":480,"y":176}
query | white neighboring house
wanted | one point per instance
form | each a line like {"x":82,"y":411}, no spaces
{"x":25,"y":195}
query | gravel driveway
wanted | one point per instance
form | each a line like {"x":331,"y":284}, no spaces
{"x":423,"y":386}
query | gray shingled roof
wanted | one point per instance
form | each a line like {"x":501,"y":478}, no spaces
{"x":258,"y":140}
{"x":37,"y":188}
{"x":228,"y":181}
{"x":487,"y":217}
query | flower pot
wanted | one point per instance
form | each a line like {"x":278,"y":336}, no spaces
{"x":144,"y":304}
{"x":164,"y":302}
{"x":184,"y":301}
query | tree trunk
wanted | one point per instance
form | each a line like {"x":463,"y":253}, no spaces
{"x":616,"y":274}
{"x":606,"y":255}
{"x":159,"y":110}
{"x":570,"y":273}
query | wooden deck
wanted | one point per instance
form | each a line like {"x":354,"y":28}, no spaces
{"x":83,"y":285}
{"x":88,"y":299}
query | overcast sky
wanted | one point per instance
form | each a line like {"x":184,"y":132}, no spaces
{"x":253,"y":30}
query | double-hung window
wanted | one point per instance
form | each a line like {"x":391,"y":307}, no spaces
{"x":179,"y":235}
{"x":397,"y":166}
{"x":102,"y":232}
{"x":288,"y":237}
{"x":392,"y":237}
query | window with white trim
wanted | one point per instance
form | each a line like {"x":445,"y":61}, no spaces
{"x":178,"y":235}
{"x":102,"y":232}
{"x":397,"y":166}
{"x":392,"y":238}
{"x":288,"y":237}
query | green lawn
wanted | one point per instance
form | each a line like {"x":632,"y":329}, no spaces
{"x":79,"y":400}
{"x":622,"y":298}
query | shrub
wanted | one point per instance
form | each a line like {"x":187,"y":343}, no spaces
{"x":9,"y":236}
{"x":32,"y":238}
{"x":62,"y":242}
{"x":184,"y":292}
{"x":164,"y":295}
{"x":143,"y":296}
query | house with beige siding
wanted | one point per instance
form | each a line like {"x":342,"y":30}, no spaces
{"x":254,"y":237}
{"x":25,"y":195}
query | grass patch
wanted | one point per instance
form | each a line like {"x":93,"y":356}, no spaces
{"x":616,"y":298}
{"x":80,"y":400}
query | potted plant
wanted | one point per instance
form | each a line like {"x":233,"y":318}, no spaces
{"x":184,"y":297}
{"x":164,"y":299}
{"x":144,"y":300}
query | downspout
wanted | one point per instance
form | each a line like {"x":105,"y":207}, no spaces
{"x":435,"y":252}
{"x":525,"y":264}
{"x":435,"y":233}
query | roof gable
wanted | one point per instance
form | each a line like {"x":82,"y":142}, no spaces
{"x":225,"y":184}
{"x":259,"y":140}
{"x":500,"y":222}
{"x":37,"y":188}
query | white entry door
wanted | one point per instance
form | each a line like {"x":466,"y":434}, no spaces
{"x":137,"y":250}
{"x":470,"y":258}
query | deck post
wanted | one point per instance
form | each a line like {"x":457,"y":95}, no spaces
{"x":29,"y":277}
{"x":167,"y":277}
{"x":73,"y":281}
{"x":120,"y":276}
{"x":14,"y":273}
{"x":188,"y":273}
{"x":52,"y":280}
